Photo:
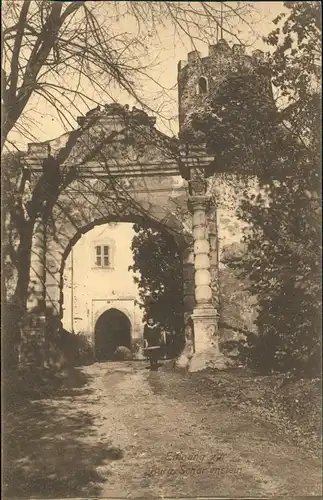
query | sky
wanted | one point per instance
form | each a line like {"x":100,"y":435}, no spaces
{"x":165,"y":48}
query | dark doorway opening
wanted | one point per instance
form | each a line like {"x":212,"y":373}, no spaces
{"x":112,"y":329}
{"x":202,"y":85}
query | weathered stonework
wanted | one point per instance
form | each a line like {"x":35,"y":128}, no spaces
{"x":221,"y":63}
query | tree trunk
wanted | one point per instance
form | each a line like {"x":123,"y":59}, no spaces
{"x":23,"y":267}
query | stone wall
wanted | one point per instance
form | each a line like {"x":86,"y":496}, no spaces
{"x":238,"y":308}
{"x":221,"y":62}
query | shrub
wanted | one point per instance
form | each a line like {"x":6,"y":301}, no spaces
{"x":67,"y":348}
{"x":122,"y":353}
{"x":84,"y":349}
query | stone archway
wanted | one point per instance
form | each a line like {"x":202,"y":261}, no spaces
{"x":116,"y":168}
{"x":112,"y":329}
{"x":57,"y":253}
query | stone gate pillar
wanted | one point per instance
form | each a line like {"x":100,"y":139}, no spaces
{"x":205,"y":320}
{"x":32,"y":349}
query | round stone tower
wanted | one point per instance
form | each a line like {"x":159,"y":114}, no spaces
{"x":217,"y":230}
{"x":200,"y":77}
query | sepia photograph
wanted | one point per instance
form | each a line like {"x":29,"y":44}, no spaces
{"x":161,"y":215}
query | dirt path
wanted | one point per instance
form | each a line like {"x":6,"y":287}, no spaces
{"x":129,"y":432}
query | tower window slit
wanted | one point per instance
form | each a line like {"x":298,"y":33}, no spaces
{"x":202,"y":85}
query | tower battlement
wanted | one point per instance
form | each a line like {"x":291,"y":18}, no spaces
{"x":200,"y":76}
{"x":221,"y":50}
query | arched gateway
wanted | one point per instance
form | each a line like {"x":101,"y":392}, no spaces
{"x":118,"y":167}
{"x":112,"y":330}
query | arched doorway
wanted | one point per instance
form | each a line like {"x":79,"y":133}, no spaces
{"x":112,"y":329}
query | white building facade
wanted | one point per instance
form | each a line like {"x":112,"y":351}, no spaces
{"x":99,"y":289}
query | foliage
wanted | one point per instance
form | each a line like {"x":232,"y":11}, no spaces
{"x":75,"y":349}
{"x":122,"y":353}
{"x":64,"y":348}
{"x":158,"y":269}
{"x":239,"y":97}
{"x":281,"y":147}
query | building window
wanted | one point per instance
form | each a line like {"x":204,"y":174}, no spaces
{"x":202,"y":85}
{"x":102,"y":256}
